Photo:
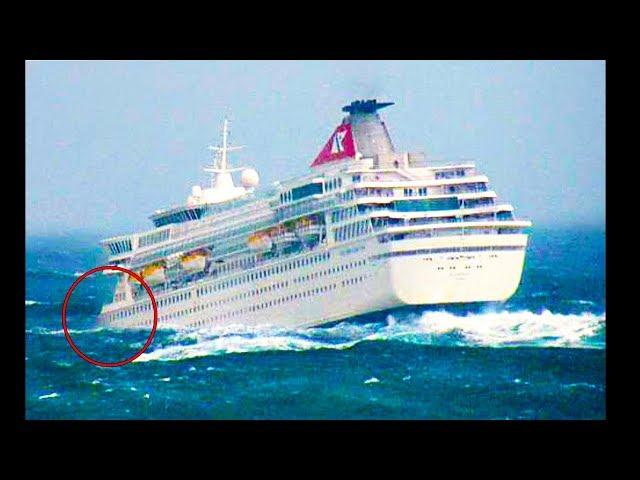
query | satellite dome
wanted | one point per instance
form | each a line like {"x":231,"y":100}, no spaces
{"x":249,"y":178}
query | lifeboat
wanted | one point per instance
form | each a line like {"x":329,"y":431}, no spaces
{"x":154,"y":274}
{"x":194,"y":261}
{"x":259,"y":241}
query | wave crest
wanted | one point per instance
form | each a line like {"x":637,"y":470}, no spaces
{"x":488,"y":329}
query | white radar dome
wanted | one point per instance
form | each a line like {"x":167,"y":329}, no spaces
{"x":249,"y":178}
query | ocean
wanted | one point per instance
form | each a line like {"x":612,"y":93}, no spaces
{"x":541,"y":355}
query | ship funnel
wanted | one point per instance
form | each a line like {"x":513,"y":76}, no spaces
{"x":365,"y":106}
{"x":361,"y":131}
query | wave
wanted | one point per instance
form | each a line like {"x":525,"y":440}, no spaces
{"x":582,"y":302}
{"x":48,"y":331}
{"x":438,"y":328}
{"x":50,"y":395}
{"x":51,"y":273}
{"x":30,"y":303}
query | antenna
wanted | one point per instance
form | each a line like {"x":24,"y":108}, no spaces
{"x":221,"y":165}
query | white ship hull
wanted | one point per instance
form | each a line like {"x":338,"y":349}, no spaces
{"x":356,"y":279}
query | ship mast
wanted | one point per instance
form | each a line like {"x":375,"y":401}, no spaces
{"x":219,"y":169}
{"x":222,"y":187}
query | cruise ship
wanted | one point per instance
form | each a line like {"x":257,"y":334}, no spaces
{"x":368,"y":229}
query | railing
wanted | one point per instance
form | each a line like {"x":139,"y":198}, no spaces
{"x":291,"y":211}
{"x":310,"y":230}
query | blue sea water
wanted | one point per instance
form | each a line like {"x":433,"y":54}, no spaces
{"x":541,"y":355}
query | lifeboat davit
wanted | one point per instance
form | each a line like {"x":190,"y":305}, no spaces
{"x":284,"y":238}
{"x":308,"y":228}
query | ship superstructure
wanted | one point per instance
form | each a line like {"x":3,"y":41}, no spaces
{"x":368,"y":229}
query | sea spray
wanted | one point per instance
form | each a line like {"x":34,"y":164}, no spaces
{"x":486,"y":329}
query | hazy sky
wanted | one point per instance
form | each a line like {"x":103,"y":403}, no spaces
{"x":108,"y":143}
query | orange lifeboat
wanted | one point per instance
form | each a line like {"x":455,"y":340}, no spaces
{"x":195,"y":261}
{"x":259,"y":241}
{"x":154,"y":274}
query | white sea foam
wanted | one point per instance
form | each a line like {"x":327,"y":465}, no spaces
{"x":48,"y":331}
{"x":29,"y":303}
{"x":498,"y":329}
{"x":581,"y":302}
{"x":50,"y":395}
{"x":486,"y":329}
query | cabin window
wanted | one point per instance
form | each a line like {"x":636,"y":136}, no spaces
{"x":306,"y":191}
{"x":426,"y":205}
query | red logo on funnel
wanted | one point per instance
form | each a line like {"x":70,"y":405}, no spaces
{"x":339,"y":146}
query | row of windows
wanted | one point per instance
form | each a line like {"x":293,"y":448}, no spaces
{"x":473,"y":187}
{"x":412,"y":192}
{"x":180,"y":216}
{"x":146,"y":307}
{"x":428,"y":251}
{"x":269,"y":288}
{"x":343,"y":214}
{"x":253,"y":308}
{"x":310,"y":189}
{"x":384,"y":222}
{"x":454,"y":267}
{"x":155,"y":237}
{"x":304,"y":208}
{"x":180,"y":297}
{"x":346,"y":196}
{"x":460,"y":172}
{"x":333,"y":184}
{"x":436,"y":220}
{"x":444,"y":232}
{"x":228,"y":266}
{"x":476,"y":202}
{"x":265,"y":273}
{"x":374,"y":192}
{"x":351,"y":230}
{"x":279,"y":301}
{"x":432,"y":204}
{"x":467,"y":188}
{"x":426,"y":204}
{"x":501,"y":216}
{"x":284,"y":284}
{"x":330,"y":271}
{"x":120,"y":246}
